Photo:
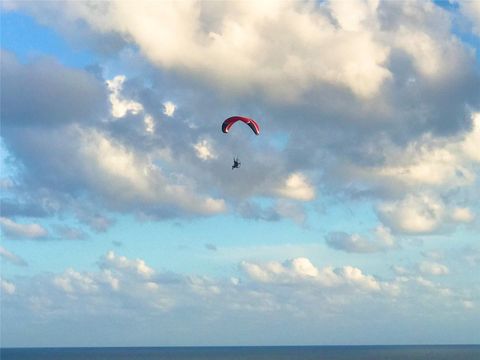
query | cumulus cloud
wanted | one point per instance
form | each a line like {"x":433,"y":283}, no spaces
{"x":463,"y":215}
{"x":297,"y":186}
{"x":289,"y":292}
{"x":469,"y":144}
{"x":290,"y":210}
{"x":149,"y":123}
{"x":137,"y":266}
{"x":301,"y":269}
{"x":108,"y":166}
{"x":169,"y":108}
{"x":471,"y":255}
{"x":471,"y":9}
{"x":208,"y":34}
{"x":468,"y":304}
{"x":382,"y":240}
{"x":120,"y":105}
{"x":433,"y":287}
{"x":119,"y":173}
{"x":204,"y":150}
{"x":70,"y":95}
{"x":433,"y":268}
{"x":72,"y":281}
{"x":7,"y":287}
{"x":97,"y":222}
{"x":70,"y":233}
{"x":416,"y":214}
{"x":120,"y":277}
{"x":400,"y":270}
{"x":403,"y":135}
{"x":433,"y":164}
{"x":11,"y":257}
{"x":430,"y":162}
{"x":22,"y":231}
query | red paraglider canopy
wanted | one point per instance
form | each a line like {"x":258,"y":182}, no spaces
{"x":227,"y":124}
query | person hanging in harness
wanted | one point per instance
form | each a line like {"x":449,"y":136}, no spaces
{"x":236,"y":163}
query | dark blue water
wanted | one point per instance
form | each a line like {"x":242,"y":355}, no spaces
{"x":437,"y":352}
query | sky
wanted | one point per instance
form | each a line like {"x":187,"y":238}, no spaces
{"x":354,"y":218}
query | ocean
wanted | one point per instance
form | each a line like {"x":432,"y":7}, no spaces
{"x":429,"y":352}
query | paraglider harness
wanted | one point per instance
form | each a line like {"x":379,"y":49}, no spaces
{"x":236,"y":163}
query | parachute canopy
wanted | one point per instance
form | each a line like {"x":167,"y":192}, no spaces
{"x":227,"y":124}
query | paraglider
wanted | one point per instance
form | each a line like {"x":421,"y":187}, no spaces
{"x":228,"y":123}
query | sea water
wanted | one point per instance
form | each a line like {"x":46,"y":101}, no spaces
{"x":433,"y":352}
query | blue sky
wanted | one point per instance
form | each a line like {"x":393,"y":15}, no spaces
{"x":358,"y":202}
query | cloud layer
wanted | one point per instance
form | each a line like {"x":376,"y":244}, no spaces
{"x":291,"y":291}
{"x":407,"y":138}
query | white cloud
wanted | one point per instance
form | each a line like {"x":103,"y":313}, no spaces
{"x":120,"y":278}
{"x":376,"y":51}
{"x":291,"y":271}
{"x":469,"y":144}
{"x":463,"y":215}
{"x":400,"y":270}
{"x":351,"y":15}
{"x":415,"y":214}
{"x":433,"y":268}
{"x":472,"y":256}
{"x":203,"y":286}
{"x":204,"y":150}
{"x":383,"y":240}
{"x":120,"y":105}
{"x":384,"y":235}
{"x":137,"y":267}
{"x":424,"y":282}
{"x":119,"y":165}
{"x":124,"y":175}
{"x":69,"y":233}
{"x":471,"y":9}
{"x":432,"y":161}
{"x":169,"y":108}
{"x":149,"y":123}
{"x":429,"y":166}
{"x":468,"y":304}
{"x":72,"y":281}
{"x":111,"y":279}
{"x":297,"y":186}
{"x":196,"y":37}
{"x":432,"y":287}
{"x":301,"y":269}
{"x":22,"y":231}
{"x":355,"y":276}
{"x":7,"y":287}
{"x":423,"y":32}
{"x":6,"y":183}
{"x":97,"y":222}
{"x":11,"y":257}
{"x":434,"y":254}
{"x":424,"y":49}
{"x":439,"y":165}
{"x":420,"y":176}
{"x":287,"y":292}
{"x":290,"y":210}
